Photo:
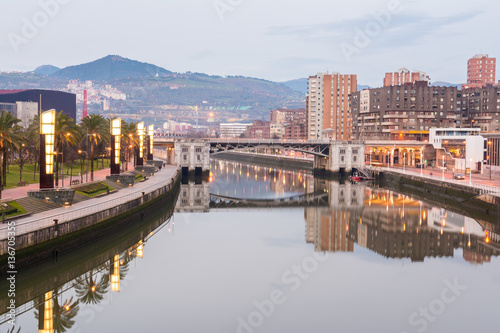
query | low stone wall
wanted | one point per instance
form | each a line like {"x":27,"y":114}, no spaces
{"x":60,"y":196}
{"x":39,"y":239}
{"x":147,"y":170}
{"x":156,"y":163}
{"x":268,"y":160}
{"x":123,"y":178}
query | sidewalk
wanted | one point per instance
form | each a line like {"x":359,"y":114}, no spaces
{"x":64,"y":214}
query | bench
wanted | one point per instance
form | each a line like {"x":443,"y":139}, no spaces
{"x":22,"y":183}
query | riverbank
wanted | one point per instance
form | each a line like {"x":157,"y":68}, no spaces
{"x":281,"y":162}
{"x":49,"y":234}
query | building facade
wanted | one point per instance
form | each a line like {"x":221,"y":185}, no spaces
{"x":258,"y":130}
{"x":480,"y":107}
{"x":49,"y":99}
{"x":481,"y":71}
{"x":327,"y":101}
{"x":404,"y":112}
{"x":295,"y":132}
{"x":403,"y":76}
{"x":232,"y":130}
{"x":25,"y":111}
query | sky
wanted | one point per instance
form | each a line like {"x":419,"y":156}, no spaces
{"x":277,"y":40}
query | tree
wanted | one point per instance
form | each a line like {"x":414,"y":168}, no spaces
{"x":95,"y":127}
{"x":129,"y":140}
{"x":65,"y":134}
{"x":9,"y":136}
{"x":33,"y":142}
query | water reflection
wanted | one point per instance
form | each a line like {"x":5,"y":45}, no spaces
{"x":391,"y":224}
{"x":337,"y":218}
{"x":56,"y":299}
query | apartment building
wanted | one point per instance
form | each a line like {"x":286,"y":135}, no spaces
{"x":327,"y":105}
{"x":405,"y":112}
{"x":480,"y":107}
{"x":481,"y":71}
{"x":403,"y":75}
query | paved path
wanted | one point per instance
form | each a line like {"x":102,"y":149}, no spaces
{"x":22,"y":191}
{"x":63,"y":214}
{"x":478,"y":181}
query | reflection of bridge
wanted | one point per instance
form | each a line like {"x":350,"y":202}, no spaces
{"x":303,"y":200}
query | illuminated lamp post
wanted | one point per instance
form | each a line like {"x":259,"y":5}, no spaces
{"x":151,"y":133}
{"x":139,"y":155}
{"x":116,"y":131}
{"x":47,"y":136}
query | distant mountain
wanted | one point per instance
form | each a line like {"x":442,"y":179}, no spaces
{"x":46,"y":70}
{"x":110,"y":68}
{"x":446,"y":84}
{"x":299,"y":85}
{"x":361,"y":87}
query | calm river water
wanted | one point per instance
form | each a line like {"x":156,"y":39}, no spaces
{"x":265,"y":250}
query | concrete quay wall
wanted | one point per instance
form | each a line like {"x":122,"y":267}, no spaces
{"x":34,"y":244}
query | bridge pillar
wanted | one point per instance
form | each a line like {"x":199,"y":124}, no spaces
{"x":193,"y":154}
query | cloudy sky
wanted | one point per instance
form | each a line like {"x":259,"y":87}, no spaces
{"x":271,"y":39}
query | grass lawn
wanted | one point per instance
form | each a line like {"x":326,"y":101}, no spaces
{"x":93,"y":195}
{"x":13,"y":174}
{"x":20,"y":210}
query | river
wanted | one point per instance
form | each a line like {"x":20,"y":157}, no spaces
{"x":258,"y":249}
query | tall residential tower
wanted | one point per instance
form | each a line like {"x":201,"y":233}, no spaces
{"x":327,"y":105}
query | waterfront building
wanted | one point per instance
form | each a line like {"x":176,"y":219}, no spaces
{"x":459,"y":148}
{"x":404,"y":112}
{"x":479,"y":107}
{"x":327,"y":105}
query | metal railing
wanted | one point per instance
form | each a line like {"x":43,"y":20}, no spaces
{"x":483,"y":188}
{"x":75,"y":213}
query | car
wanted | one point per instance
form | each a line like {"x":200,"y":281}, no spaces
{"x":458,"y":176}
{"x":420,"y":165}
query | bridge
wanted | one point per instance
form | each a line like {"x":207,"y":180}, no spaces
{"x":337,"y":157}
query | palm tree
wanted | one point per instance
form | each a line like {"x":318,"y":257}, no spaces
{"x":130,"y":140}
{"x":9,"y":136}
{"x":95,"y":127}
{"x":65,"y":133}
{"x":33,"y":141}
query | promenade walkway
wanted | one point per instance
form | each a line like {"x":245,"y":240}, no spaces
{"x":478,"y":181}
{"x":88,"y":207}
{"x":22,"y":191}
